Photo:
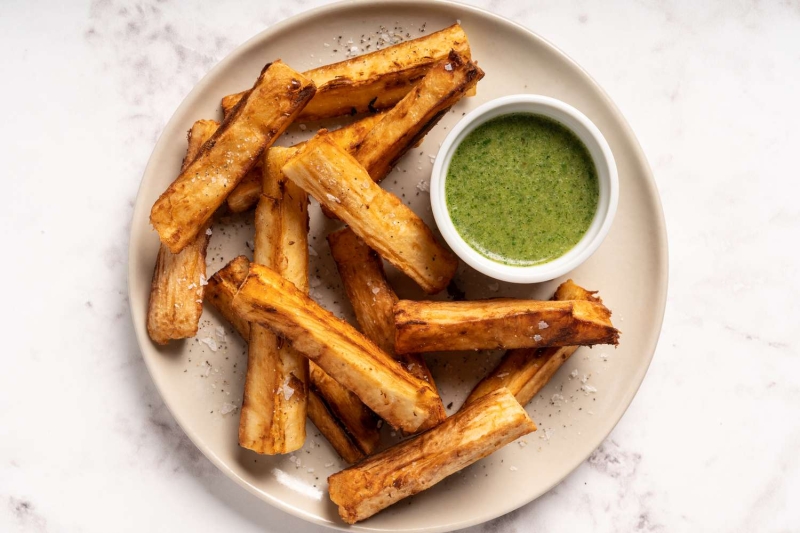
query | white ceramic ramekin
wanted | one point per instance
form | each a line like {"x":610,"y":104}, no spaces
{"x":603,"y":159}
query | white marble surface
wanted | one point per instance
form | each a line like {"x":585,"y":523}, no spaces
{"x":710,"y":443}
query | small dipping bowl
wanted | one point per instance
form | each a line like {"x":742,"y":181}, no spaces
{"x":599,"y":151}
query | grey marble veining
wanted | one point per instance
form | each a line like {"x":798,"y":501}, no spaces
{"x":709,"y":444}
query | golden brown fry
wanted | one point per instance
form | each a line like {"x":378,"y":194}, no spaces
{"x":356,"y":419}
{"x":377,"y":80}
{"x":371,"y":295}
{"x":327,"y":424}
{"x":408,"y":122}
{"x":176,"y":291}
{"x":246,"y":194}
{"x":404,"y":401}
{"x":525,"y":371}
{"x":500,"y":323}
{"x":345,"y":421}
{"x":276,"y":98}
{"x":221,"y":289}
{"x":417,"y":464}
{"x":273,"y":416}
{"x":386,"y":224}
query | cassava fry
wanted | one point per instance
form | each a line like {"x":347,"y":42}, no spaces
{"x":176,"y":291}
{"x":341,"y":417}
{"x":524,"y":371}
{"x":377,"y":80}
{"x":408,"y":122}
{"x":276,"y":98}
{"x":371,"y":295}
{"x":327,"y":424}
{"x":404,"y":401}
{"x":246,"y":194}
{"x":386,"y":224}
{"x":417,"y":464}
{"x":273,"y":416}
{"x":360,"y":424}
{"x":500,"y":323}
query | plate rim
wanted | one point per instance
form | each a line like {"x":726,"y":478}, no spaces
{"x":646,"y":177}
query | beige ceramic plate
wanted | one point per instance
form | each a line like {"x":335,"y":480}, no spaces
{"x":630,"y":269}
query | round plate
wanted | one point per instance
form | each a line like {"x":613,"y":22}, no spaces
{"x":576,"y":410}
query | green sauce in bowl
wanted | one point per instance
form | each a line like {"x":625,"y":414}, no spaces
{"x":521,"y":189}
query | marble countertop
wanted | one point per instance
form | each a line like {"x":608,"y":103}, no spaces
{"x":709,"y":444}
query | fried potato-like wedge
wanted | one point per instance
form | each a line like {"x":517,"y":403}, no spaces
{"x":386,"y":224}
{"x":500,"y":323}
{"x":246,"y":194}
{"x":355,"y":418}
{"x":408,"y":122}
{"x":327,"y":424}
{"x":340,"y":415}
{"x":270,"y":106}
{"x":221,"y":289}
{"x":377,"y":80}
{"x":525,"y":371}
{"x":371,"y":295}
{"x":417,"y":464}
{"x":176,"y":291}
{"x":273,"y":416}
{"x":404,"y":401}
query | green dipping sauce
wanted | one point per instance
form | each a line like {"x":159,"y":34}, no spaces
{"x":522,"y":189}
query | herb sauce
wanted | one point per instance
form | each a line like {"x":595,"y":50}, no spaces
{"x":522,"y":189}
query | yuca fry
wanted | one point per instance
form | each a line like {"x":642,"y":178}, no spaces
{"x":371,"y":295}
{"x":276,"y":98}
{"x":176,"y":291}
{"x":327,"y":424}
{"x":386,"y":224}
{"x":246,"y":194}
{"x":356,"y":419}
{"x":408,"y":122}
{"x":345,"y":421}
{"x":377,"y":80}
{"x":500,"y":323}
{"x":524,"y":371}
{"x":417,"y":464}
{"x":221,"y":289}
{"x":401,"y":399}
{"x":273,"y":416}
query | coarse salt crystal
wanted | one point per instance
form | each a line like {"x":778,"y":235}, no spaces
{"x":588,"y":389}
{"x":220,"y":331}
{"x":203,"y":281}
{"x":522,"y":443}
{"x":537,"y":338}
{"x":354,"y":49}
{"x":424,"y":186}
{"x":210,"y":342}
{"x":547,"y":434}
{"x":312,"y":252}
{"x":328,"y":465}
{"x":557,"y":399}
{"x":543,"y":324}
{"x":573,"y":374}
{"x":209,"y":232}
{"x":292,"y":458}
{"x":332,"y":198}
{"x":380,"y":424}
{"x":303,"y":127}
{"x":227,"y":408}
{"x":448,"y":67}
{"x":513,"y":468}
{"x":315,"y":281}
{"x":584,"y":378}
{"x":604,"y":356}
{"x":192,"y":286}
{"x":376,"y":290}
